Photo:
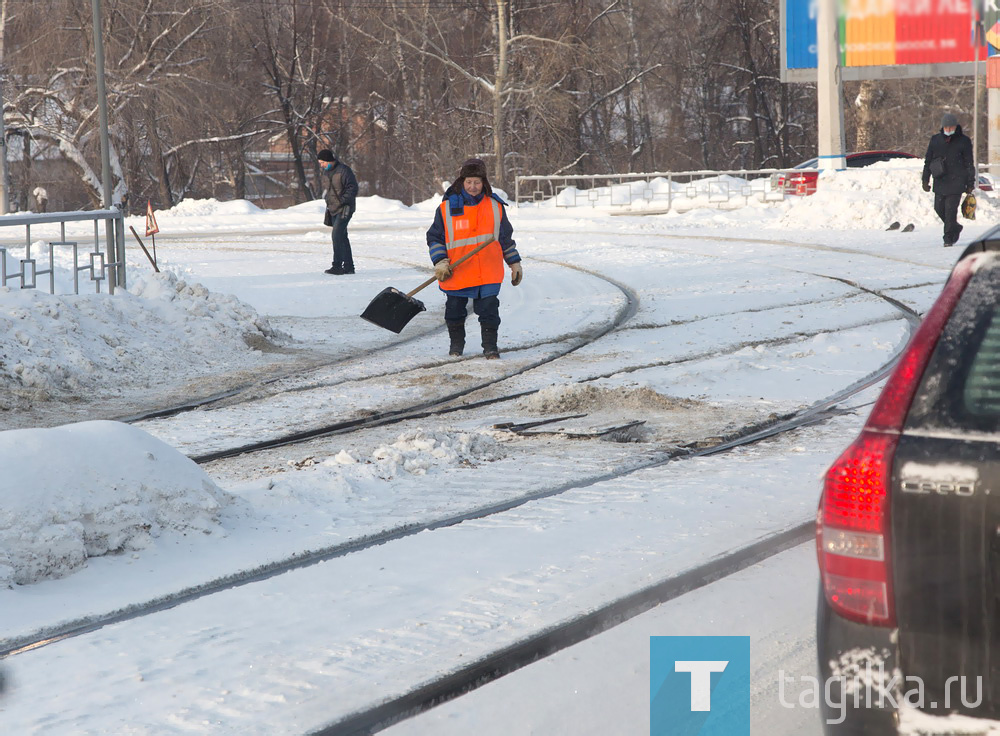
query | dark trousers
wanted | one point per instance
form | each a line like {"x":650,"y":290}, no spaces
{"x":342,"y":257}
{"x":488,"y":309}
{"x":946,"y":206}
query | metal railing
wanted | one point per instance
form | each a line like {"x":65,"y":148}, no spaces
{"x":620,"y":190}
{"x":664,"y":191}
{"x":108,"y":265}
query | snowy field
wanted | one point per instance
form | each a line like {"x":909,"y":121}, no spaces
{"x":695,"y":324}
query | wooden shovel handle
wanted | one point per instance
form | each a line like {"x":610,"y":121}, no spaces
{"x":455,"y":265}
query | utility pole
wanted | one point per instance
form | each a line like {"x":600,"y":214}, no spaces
{"x":102,"y":111}
{"x":4,"y":174}
{"x":829,"y":89}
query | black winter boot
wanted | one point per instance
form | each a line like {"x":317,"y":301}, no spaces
{"x":490,"y":350}
{"x":456,"y":331}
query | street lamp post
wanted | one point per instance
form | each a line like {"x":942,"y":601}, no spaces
{"x":4,"y":176}
{"x":102,"y":111}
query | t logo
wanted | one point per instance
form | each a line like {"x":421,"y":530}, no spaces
{"x":699,"y":686}
{"x":701,"y":681}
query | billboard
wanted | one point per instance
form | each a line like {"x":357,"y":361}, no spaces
{"x":891,"y":38}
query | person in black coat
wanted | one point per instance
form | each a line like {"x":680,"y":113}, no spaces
{"x":949,"y":161}
{"x":341,"y":194}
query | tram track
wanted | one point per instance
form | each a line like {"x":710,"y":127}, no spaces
{"x":560,"y":636}
{"x":247,"y":388}
{"x":440,"y":405}
{"x":552,"y":638}
{"x":747,"y":435}
{"x":626,"y":312}
{"x":581,"y":627}
{"x":817,"y":412}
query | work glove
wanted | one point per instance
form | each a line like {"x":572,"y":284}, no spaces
{"x":927,"y":186}
{"x":516,"y":272}
{"x":969,"y":189}
{"x":442,"y":269}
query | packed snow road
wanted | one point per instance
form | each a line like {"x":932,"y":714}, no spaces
{"x":727,"y":332}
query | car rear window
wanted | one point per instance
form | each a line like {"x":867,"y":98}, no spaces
{"x":981,"y":394}
{"x":960,"y":390}
{"x":866,"y":160}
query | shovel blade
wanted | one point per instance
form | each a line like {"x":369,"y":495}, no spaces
{"x":392,"y":309}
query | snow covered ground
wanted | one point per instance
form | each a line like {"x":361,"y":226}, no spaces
{"x":742,"y":315}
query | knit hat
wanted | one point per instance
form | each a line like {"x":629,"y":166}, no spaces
{"x":949,"y":121}
{"x":326,"y":155}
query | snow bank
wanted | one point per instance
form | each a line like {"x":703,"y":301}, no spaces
{"x":873,"y":198}
{"x":84,"y":490}
{"x":869,"y":198}
{"x":209,"y":208}
{"x":65,"y":343}
{"x":380,"y":205}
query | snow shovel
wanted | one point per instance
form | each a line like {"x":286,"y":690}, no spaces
{"x":392,"y":309}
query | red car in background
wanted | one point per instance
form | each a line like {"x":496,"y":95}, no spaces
{"x":804,"y":182}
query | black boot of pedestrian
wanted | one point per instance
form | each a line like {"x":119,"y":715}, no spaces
{"x":456,"y":332}
{"x":490,"y":350}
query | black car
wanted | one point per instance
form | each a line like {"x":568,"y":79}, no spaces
{"x":908,"y":526}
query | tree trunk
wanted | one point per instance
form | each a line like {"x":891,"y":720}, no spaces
{"x":865,"y":103}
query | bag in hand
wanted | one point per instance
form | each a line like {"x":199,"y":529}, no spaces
{"x":969,"y":207}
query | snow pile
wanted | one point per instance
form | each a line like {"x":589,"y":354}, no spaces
{"x":563,"y":398}
{"x":210,"y":208}
{"x":416,"y":452}
{"x":65,"y":343}
{"x":380,"y":205}
{"x":207,"y":215}
{"x":84,"y":490}
{"x":873,"y":198}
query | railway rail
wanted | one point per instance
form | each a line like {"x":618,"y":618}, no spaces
{"x":747,"y":435}
{"x":542,"y":643}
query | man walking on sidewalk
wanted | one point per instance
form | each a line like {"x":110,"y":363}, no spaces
{"x":949,"y":161}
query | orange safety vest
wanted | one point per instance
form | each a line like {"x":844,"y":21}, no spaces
{"x":462,"y":233}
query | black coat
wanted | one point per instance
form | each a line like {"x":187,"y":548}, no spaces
{"x":956,"y":150}
{"x":341,"y":189}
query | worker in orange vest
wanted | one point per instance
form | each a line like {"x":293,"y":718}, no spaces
{"x":469,"y":215}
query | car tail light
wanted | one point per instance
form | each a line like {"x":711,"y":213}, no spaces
{"x":852,"y":524}
{"x":853,"y":530}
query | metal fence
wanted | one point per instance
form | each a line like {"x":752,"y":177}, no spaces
{"x":99,"y":266}
{"x":658,"y":189}
{"x":664,"y":191}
